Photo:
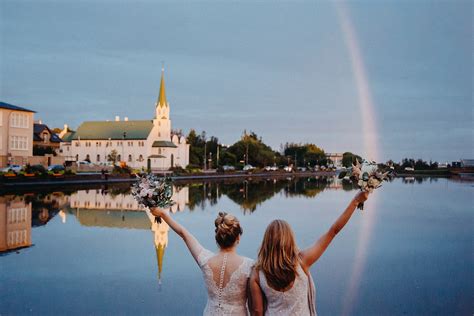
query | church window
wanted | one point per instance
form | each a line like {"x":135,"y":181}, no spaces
{"x":129,"y":158}
{"x":98,"y":158}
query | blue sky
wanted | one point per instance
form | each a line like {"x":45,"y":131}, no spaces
{"x":279,"y":68}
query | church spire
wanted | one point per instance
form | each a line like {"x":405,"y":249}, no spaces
{"x":162,"y":96}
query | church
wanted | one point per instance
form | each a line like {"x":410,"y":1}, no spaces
{"x":147,"y":144}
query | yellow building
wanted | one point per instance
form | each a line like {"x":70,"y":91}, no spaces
{"x":15,"y":223}
{"x":16,"y":134}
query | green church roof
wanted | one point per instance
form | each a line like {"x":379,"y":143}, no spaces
{"x":115,"y":130}
{"x":163,"y":143}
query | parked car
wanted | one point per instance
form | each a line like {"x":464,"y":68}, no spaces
{"x":409,"y":169}
{"x":268,"y":168}
{"x":84,"y":163}
{"x":288,"y":168}
{"x":302,"y":169}
{"x":248,"y":167}
{"x":105,"y":164}
{"x":14,"y":168}
{"x":228,"y":168}
{"x":56,"y":168}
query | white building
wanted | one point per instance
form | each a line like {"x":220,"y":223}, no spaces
{"x":141,"y":143}
{"x":16,"y":133}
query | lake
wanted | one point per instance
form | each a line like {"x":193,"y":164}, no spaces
{"x":94,"y":251}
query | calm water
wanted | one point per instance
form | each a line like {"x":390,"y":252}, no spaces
{"x":410,"y":252}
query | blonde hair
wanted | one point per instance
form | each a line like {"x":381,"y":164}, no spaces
{"x":278,"y":256}
{"x":227,"y":230}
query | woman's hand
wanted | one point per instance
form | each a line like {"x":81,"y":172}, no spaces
{"x":361,"y":197}
{"x":158,"y":212}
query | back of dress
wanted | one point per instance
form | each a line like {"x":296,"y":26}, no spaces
{"x":230,"y":299}
{"x":295,"y":301}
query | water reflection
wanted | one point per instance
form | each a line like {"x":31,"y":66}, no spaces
{"x":115,"y":207}
{"x":15,"y":223}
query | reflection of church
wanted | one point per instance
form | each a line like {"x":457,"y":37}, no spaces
{"x":93,"y":208}
{"x":15,"y":223}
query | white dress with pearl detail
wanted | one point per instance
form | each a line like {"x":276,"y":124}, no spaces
{"x":230,"y":299}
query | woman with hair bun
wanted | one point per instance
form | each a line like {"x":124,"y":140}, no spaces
{"x":225,"y":273}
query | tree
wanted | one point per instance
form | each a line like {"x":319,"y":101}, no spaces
{"x":349,"y":158}
{"x":304,"y":154}
{"x":112,"y":156}
{"x":251,"y":149}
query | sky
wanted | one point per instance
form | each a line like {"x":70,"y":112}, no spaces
{"x":282,"y":69}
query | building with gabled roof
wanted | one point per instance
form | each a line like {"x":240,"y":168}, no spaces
{"x":144,"y":144}
{"x":45,"y":141}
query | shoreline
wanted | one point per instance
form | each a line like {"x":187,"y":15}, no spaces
{"x":99,"y":179}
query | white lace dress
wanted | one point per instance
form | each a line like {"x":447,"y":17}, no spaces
{"x":298,"y":300}
{"x":233,"y":297}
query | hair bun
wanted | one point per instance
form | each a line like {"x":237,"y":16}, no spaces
{"x":227,"y":229}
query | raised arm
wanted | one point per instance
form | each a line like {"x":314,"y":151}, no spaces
{"x":314,"y":252}
{"x":191,"y":242}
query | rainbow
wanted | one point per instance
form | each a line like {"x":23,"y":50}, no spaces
{"x":369,"y":133}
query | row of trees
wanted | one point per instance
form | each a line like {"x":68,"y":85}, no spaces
{"x":250,"y":149}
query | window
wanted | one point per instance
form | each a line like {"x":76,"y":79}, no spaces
{"x":140,"y":158}
{"x":119,"y":157}
{"x":19,"y":120}
{"x":129,"y":158}
{"x":159,"y":134}
{"x":19,"y":142}
{"x":98,"y":158}
{"x":45,"y":137}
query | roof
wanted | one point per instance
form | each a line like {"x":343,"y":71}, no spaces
{"x":68,"y":136}
{"x":125,"y":219}
{"x":115,"y":130}
{"x":4,"y":105}
{"x":162,"y":96}
{"x":39,"y":128}
{"x":163,"y":143}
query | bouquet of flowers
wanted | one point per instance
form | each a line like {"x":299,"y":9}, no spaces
{"x":366,"y":176}
{"x":152,"y":191}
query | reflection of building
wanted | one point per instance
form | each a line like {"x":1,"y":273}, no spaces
{"x":160,"y":231}
{"x":95,"y":199}
{"x":334,"y":183}
{"x":15,"y":223}
{"x":140,"y":143}
{"x":93,"y":208}
{"x":16,"y":130}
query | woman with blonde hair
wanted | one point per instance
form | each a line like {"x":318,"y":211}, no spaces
{"x":225,"y":273}
{"x":281,"y":283}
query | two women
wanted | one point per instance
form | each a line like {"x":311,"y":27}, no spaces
{"x":280,"y":283}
